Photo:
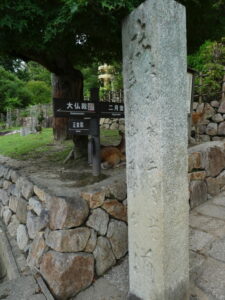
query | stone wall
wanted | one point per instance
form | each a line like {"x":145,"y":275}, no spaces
{"x":212,"y":127}
{"x":71,"y":241}
{"x":206,"y":171}
{"x":112,"y":124}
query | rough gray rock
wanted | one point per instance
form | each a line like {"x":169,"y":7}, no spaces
{"x":91,"y":244}
{"x":198,"y":193}
{"x":104,"y":256}
{"x":37,"y":223}
{"x":70,"y":240}
{"x":7,"y":214}
{"x":37,"y":250}
{"x":21,"y":211}
{"x":4,"y":197}
{"x":66,"y":273}
{"x":13,"y":202}
{"x":67,"y":213}
{"x":211,"y":129}
{"x":22,"y":237}
{"x":35,"y":205}
{"x":12,"y":227}
{"x":118,"y":236}
{"x":98,"y":220}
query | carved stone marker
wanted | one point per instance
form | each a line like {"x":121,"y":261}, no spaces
{"x":155,"y":81}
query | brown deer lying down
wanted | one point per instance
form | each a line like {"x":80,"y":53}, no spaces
{"x":113,"y":156}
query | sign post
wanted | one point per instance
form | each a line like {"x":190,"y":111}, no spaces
{"x":84,"y":120}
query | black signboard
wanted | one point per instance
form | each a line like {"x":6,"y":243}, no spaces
{"x":68,"y":107}
{"x":83,"y":126}
{"x":111,"y":110}
{"x":79,"y":126}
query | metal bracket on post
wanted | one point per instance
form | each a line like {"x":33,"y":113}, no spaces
{"x":94,"y":125}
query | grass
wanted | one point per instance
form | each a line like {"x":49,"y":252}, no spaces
{"x":38,"y":145}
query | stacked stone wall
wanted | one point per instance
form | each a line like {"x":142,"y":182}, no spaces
{"x":206,"y":171}
{"x":112,"y":124}
{"x":71,"y":241}
{"x":212,"y":127}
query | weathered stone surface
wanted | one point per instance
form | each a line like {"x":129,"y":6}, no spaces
{"x":4,"y":197}
{"x":21,"y":211}
{"x":198,"y":193}
{"x":213,"y":157}
{"x":67,"y":274}
{"x":67,"y":213}
{"x":6,"y":184}
{"x":221,"y":129}
{"x":14,"y":175}
{"x":217,"y":250}
{"x":104,"y":256}
{"x":37,"y":250}
{"x":199,"y":239}
{"x":199,"y":175}
{"x":204,"y":138}
{"x":202,"y":129}
{"x":213,"y":186}
{"x":218,"y":138}
{"x":70,"y":240}
{"x":194,"y":161}
{"x":7,"y":214}
{"x":211,"y":210}
{"x":13,"y":202}
{"x":98,"y":220}
{"x":91,"y":244}
{"x":219,"y":199}
{"x":222,"y":107}
{"x":42,"y":195}
{"x":212,"y":279}
{"x":221,"y":179}
{"x":209,"y":111}
{"x":116,"y":209}
{"x":27,"y":189}
{"x":1,"y":183}
{"x":211,"y":129}
{"x":37,"y":223}
{"x":215,"y":103}
{"x":35,"y":205}
{"x":200,"y":107}
{"x":117,"y":190}
{"x":12,"y":227}
{"x":15,"y":191}
{"x":22,"y":237}
{"x":118,"y":236}
{"x":94,"y":199}
{"x":217,"y":118}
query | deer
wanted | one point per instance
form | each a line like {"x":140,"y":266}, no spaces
{"x":113,"y":156}
{"x":197,"y":119}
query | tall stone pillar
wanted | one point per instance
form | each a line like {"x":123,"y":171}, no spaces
{"x":155,"y":82}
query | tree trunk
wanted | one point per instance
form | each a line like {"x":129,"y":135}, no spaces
{"x":68,"y":85}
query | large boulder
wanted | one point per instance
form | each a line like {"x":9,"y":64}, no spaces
{"x":70,"y":240}
{"x":66,"y":273}
{"x":67,"y":213}
{"x":212,"y":157}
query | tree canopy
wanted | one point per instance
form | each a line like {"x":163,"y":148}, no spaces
{"x":61,"y":33}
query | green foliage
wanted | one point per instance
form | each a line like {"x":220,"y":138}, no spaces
{"x":13,"y":92}
{"x":210,"y":60}
{"x":40,"y":91}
